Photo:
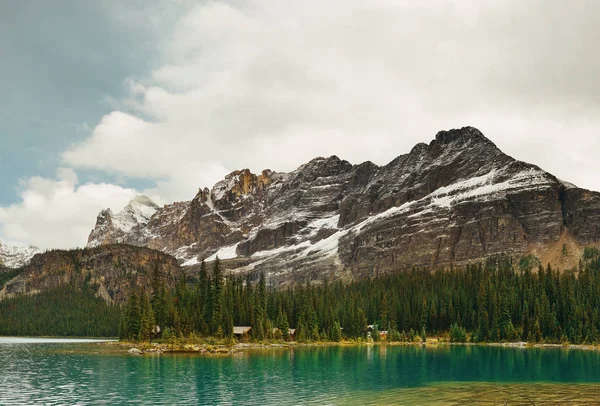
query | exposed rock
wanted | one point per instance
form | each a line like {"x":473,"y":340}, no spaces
{"x":113,"y":228}
{"x":111,"y":271}
{"x":456,"y":200}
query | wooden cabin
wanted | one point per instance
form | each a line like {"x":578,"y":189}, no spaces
{"x":241,"y":332}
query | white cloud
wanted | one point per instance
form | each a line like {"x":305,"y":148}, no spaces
{"x":273,"y":84}
{"x":58,"y":213}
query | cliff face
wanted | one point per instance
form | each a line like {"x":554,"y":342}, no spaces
{"x":111,"y":271}
{"x":455,"y":200}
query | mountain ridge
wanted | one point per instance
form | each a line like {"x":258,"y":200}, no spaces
{"x":111,"y":271}
{"x":456,"y":200}
{"x":16,"y":256}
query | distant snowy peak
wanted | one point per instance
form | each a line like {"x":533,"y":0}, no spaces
{"x":137,"y":212}
{"x":16,"y":257}
{"x":112,"y":227}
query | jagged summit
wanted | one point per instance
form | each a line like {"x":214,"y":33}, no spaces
{"x":455,"y":200}
{"x":113,"y":227}
{"x":461,"y":134}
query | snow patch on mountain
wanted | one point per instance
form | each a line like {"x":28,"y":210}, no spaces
{"x":16,"y":257}
{"x":484,"y":186}
{"x":224,"y":253}
{"x":138,"y":211}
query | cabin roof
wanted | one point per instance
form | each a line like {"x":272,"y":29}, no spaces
{"x":240,"y":330}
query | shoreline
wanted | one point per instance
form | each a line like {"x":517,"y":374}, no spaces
{"x":229,"y":349}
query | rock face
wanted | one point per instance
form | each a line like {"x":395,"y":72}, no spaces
{"x":115,"y":228}
{"x":456,"y":200}
{"x":16,"y":257}
{"x":111,"y":271}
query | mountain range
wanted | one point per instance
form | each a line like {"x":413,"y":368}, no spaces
{"x":454,"y":201}
{"x":15,"y":256}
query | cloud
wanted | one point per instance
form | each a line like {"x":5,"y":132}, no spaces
{"x":272,"y":84}
{"x":58,"y":213}
{"x":265,"y":84}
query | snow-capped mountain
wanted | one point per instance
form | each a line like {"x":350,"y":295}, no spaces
{"x":455,"y":200}
{"x":116,"y":228}
{"x":16,"y":257}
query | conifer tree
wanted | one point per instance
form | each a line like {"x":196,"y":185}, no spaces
{"x":336,"y":332}
{"x":283,"y":325}
{"x":148,"y":321}
{"x":217,"y":298}
{"x":133,"y":316}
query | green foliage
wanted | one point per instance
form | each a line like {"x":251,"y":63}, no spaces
{"x":217,"y":299}
{"x":64,"y":311}
{"x":375,"y":335}
{"x":457,"y":334}
{"x":282,"y":325}
{"x":7,"y":274}
{"x":590,"y":253}
{"x":277,"y":335}
{"x":147,"y":319}
{"x":529,"y":262}
{"x":336,"y":332}
{"x":498,"y":301}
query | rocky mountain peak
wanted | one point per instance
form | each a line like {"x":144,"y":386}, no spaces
{"x":112,"y":227}
{"x":460,"y":134}
{"x":455,"y":200}
{"x":239,"y":184}
{"x":323,"y":167}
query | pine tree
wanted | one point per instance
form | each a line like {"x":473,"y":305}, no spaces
{"x":217,"y":298}
{"x":133,"y":316}
{"x":148,"y":321}
{"x":336,"y":332}
{"x":123,"y":327}
{"x":283,"y":325}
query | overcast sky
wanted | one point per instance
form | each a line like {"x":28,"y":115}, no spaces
{"x":100,"y":101}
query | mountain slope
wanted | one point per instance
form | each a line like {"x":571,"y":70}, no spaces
{"x":455,"y":200}
{"x":110,"y":271}
{"x":16,"y":257}
{"x":114,"y":228}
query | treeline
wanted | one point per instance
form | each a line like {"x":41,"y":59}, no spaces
{"x":64,"y":311}
{"x":497,"y":301}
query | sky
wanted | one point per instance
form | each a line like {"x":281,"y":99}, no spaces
{"x":101,"y":101}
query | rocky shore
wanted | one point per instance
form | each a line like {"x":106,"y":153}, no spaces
{"x":228,"y":349}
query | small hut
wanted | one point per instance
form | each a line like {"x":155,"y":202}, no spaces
{"x":241,"y":332}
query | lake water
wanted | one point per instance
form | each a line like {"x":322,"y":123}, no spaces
{"x":66,"y":372}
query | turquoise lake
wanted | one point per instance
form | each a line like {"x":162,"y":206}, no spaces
{"x":66,"y":372}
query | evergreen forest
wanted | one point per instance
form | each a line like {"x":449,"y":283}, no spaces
{"x":500,"y":300}
{"x":61,"y":312}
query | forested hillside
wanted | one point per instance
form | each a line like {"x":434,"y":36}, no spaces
{"x":499,"y":300}
{"x":64,"y":311}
